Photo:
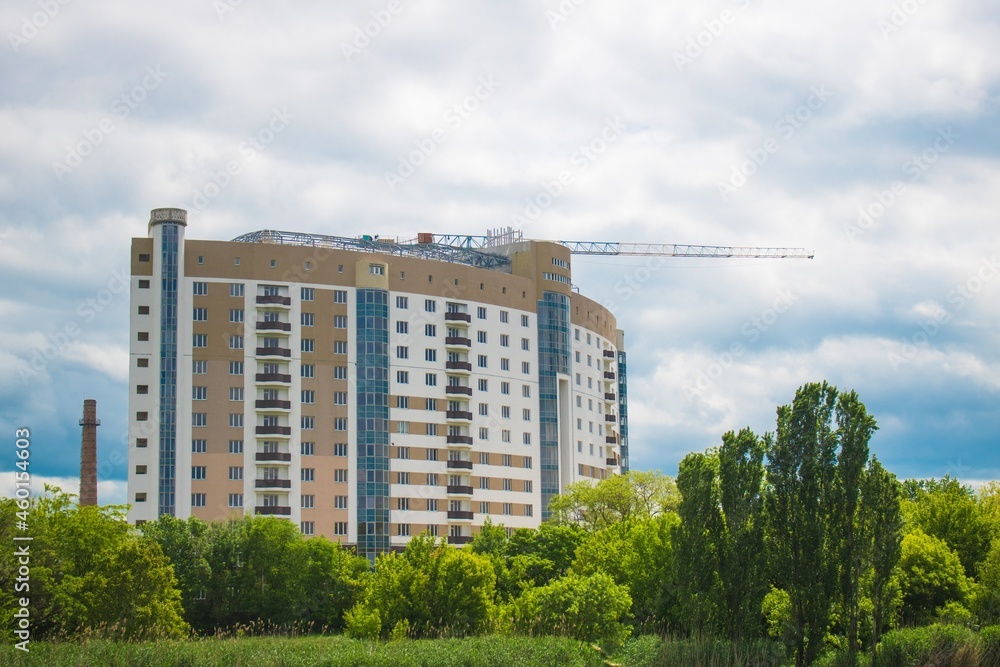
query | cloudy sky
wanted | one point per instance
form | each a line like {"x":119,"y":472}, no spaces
{"x":864,"y":130}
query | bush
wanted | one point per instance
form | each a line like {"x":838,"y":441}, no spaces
{"x":951,"y":645}
{"x":990,"y":639}
{"x":647,"y":651}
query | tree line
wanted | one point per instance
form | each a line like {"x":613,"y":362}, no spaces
{"x":799,"y":537}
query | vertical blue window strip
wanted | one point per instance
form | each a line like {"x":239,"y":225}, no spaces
{"x":623,"y":409}
{"x":373,"y":421}
{"x":168,"y":370}
{"x":553,"y":358}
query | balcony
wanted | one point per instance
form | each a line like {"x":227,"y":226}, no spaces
{"x":272,"y":404}
{"x":274,"y":326}
{"x":456,"y":390}
{"x":458,"y":366}
{"x":273,"y":378}
{"x":459,"y":440}
{"x":272,"y":484}
{"x":274,"y":457}
{"x":610,"y":418}
{"x":274,"y":430}
{"x":611,"y":462}
{"x":457,"y":341}
{"x":460,"y":514}
{"x":272,"y":510}
{"x":458,"y":317}
{"x":463,"y":465}
{"x":609,"y":375}
{"x":611,"y":439}
{"x":461,"y":490}
{"x":274,"y":300}
{"x":274,"y":352}
{"x":459,"y":539}
{"x":610,"y":397}
{"x":609,"y":354}
{"x":458,"y":415}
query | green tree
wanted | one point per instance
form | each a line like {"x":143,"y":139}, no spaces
{"x":554,"y":542}
{"x":930,"y":575}
{"x":182,"y":542}
{"x":854,"y":430}
{"x":742,"y":564}
{"x":617,"y":498}
{"x":800,"y":471}
{"x":949,"y":510}
{"x":639,"y":555}
{"x":329,"y":579}
{"x":591,"y":609}
{"x":881,"y":526}
{"x":697,"y":539}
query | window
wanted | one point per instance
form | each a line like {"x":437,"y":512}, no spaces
{"x":430,"y":330}
{"x":402,"y":327}
{"x":402,"y":302}
{"x":200,"y":314}
{"x":507,"y":507}
{"x":236,"y":289}
{"x":199,"y":340}
{"x":481,"y":312}
{"x":307,"y":527}
{"x":525,"y":321}
{"x":402,"y":478}
{"x":340,"y":528}
{"x":481,"y":361}
{"x":141,"y":416}
{"x":505,"y":460}
{"x":402,"y":452}
{"x":308,"y":319}
{"x":526,"y":414}
{"x":403,"y":529}
{"x":504,"y":316}
{"x":431,"y":379}
{"x":308,"y":345}
{"x":432,"y":480}
{"x":199,"y":367}
{"x":197,"y":500}
{"x":505,"y":387}
{"x":432,"y":454}
{"x":340,"y":372}
{"x":236,"y":500}
{"x":308,"y":293}
{"x":308,"y":474}
{"x":484,"y":433}
{"x":504,"y":364}
{"x":340,"y":296}
{"x":432,"y":429}
{"x":199,"y":419}
{"x":484,"y":409}
{"x":402,"y":503}
{"x":430,"y":305}
{"x":484,"y":483}
{"x":402,"y":352}
{"x":481,"y":336}
{"x":236,"y":420}
{"x":143,"y":284}
{"x":199,"y":393}
{"x":430,"y":354}
{"x":376,"y":269}
{"x":308,"y":396}
{"x":505,"y":411}
{"x":340,"y":347}
{"x":579,"y":424}
{"x":526,"y":367}
{"x":236,"y":393}
{"x":308,"y":423}
{"x":235,"y":473}
{"x":141,"y":442}
{"x":140,"y":498}
{"x":340,"y":321}
{"x":340,"y":502}
{"x":432,"y":506}
{"x":526,"y":438}
{"x":528,"y":509}
{"x":199,"y":446}
{"x":527,"y":461}
{"x":309,"y":448}
{"x":403,"y":377}
{"x":142,"y":336}
{"x":200,"y":288}
{"x":340,"y":449}
{"x":590,"y":360}
{"x":236,"y":342}
{"x":307,"y":371}
{"x":508,"y":484}
{"x":403,"y":402}
{"x":504,"y":340}
{"x":236,"y":314}
{"x":236,"y":368}
{"x":483,"y":384}
{"x":198,"y":472}
{"x":271,"y":290}
{"x":505,"y":435}
{"x":235,"y":446}
{"x":525,"y":344}
{"x":578,"y":378}
{"x":340,"y":398}
{"x":308,"y":501}
{"x":431,"y":404}
{"x":340,"y":423}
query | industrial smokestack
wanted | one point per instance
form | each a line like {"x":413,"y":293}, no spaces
{"x":88,"y":453}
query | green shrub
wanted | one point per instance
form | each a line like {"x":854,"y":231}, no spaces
{"x":933,"y":645}
{"x":650,"y":651}
{"x":990,"y":639}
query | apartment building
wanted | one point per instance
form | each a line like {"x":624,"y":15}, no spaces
{"x":367,"y":390}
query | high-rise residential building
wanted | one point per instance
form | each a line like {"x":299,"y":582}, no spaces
{"x":367,"y":390}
